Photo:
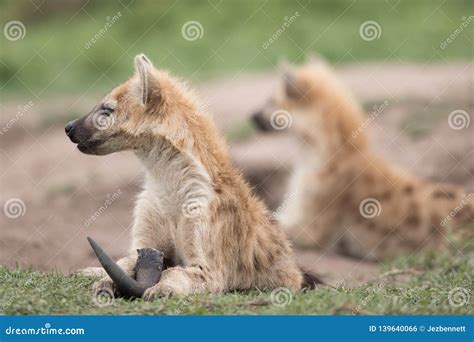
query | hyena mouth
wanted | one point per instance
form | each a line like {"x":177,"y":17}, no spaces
{"x":88,"y":147}
{"x":85,"y":148}
{"x":81,"y":136}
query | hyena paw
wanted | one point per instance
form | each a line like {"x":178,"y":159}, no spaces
{"x":161,"y":291}
{"x":103,"y":285}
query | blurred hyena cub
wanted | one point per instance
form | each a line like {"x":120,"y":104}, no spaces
{"x":341,"y":195}
{"x":194,"y":207}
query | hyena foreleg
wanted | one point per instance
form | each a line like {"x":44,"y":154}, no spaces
{"x":178,"y":281}
{"x":196,"y":275}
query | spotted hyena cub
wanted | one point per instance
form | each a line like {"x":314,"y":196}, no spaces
{"x":195,"y":207}
{"x":343,"y":196}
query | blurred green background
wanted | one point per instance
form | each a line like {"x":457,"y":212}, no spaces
{"x":52,"y":56}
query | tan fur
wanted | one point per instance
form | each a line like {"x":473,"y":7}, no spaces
{"x":337,"y":171}
{"x":194,"y":206}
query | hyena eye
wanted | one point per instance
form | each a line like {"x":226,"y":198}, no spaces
{"x":106,"y":110}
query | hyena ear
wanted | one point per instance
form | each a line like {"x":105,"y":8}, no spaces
{"x":291,"y":85}
{"x":145,"y":84}
{"x":289,"y":79}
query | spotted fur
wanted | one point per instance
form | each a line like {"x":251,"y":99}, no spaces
{"x":338,"y":172}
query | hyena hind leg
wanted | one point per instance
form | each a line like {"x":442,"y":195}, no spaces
{"x":285,"y":274}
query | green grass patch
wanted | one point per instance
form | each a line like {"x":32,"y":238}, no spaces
{"x":86,"y":46}
{"x":432,"y":283}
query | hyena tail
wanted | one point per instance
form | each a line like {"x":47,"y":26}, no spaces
{"x":310,"y":280}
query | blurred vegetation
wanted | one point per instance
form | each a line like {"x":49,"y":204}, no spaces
{"x":52,"y":57}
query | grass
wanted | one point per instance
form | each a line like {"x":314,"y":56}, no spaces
{"x":430,"y":280}
{"x":52,"y":57}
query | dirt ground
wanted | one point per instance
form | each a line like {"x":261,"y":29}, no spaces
{"x":62,"y":189}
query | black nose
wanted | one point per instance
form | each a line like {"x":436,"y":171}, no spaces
{"x":260,"y":122}
{"x":69,"y":128}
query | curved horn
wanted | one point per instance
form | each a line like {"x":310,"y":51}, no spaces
{"x":126,"y":284}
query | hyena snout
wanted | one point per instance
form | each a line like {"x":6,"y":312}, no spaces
{"x":68,"y":128}
{"x":261,"y":121}
{"x":71,"y":131}
{"x":82,"y":135}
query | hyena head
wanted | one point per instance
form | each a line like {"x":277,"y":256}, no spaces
{"x":148,"y":104}
{"x":295,"y":102}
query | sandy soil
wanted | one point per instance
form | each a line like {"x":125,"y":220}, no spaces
{"x":62,"y":188}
